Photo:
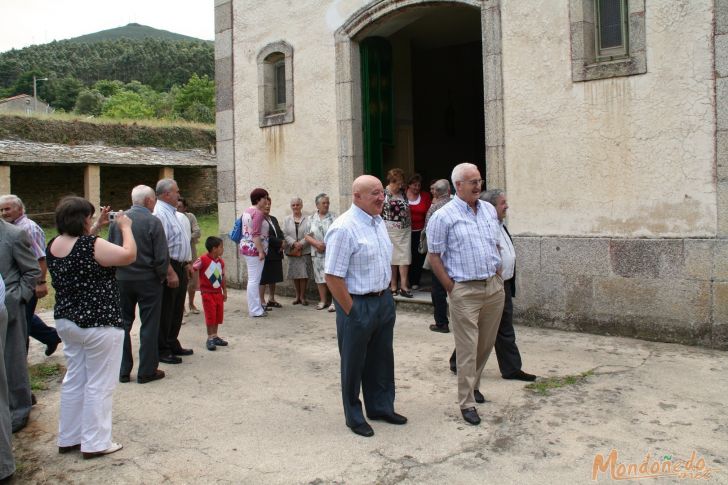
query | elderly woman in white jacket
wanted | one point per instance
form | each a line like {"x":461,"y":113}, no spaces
{"x":298,"y":250}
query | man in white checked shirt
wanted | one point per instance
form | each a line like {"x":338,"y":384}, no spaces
{"x":180,"y":268}
{"x":357,"y":267}
{"x":462,"y":241}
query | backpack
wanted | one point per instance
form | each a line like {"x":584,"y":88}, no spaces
{"x":236,"y":233}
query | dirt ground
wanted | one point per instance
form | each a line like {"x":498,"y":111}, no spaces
{"x":267,"y":409}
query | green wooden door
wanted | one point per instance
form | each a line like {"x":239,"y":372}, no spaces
{"x":377,"y":102}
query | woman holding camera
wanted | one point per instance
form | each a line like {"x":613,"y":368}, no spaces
{"x":88,"y":319}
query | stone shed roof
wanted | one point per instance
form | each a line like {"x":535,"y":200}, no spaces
{"x":19,"y":151}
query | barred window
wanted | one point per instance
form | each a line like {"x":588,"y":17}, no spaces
{"x":275,"y":84}
{"x":607,"y":39}
{"x":611,"y":31}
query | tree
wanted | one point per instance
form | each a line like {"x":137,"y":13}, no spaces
{"x":199,"y":112}
{"x":62,"y":93}
{"x":24,"y":84}
{"x":108,"y":88}
{"x":127,"y":104}
{"x":89,"y":102}
{"x":193,"y":97}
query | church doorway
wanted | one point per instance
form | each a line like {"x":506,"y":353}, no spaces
{"x":422,"y":91}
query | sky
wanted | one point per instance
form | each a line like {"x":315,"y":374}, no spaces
{"x":28,"y":22}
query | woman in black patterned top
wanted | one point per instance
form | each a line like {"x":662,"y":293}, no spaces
{"x":398,"y":221}
{"x":88,"y":319}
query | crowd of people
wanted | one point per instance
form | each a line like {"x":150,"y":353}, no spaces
{"x":359,"y":261}
{"x":147,"y":262}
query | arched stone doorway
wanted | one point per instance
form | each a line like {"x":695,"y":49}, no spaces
{"x":444,"y":29}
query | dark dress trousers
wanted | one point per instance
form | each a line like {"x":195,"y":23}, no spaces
{"x":367,"y":358}
{"x":141,"y":283}
{"x":37,"y":327}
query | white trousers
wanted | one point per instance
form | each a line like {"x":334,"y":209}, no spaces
{"x":255,"y":271}
{"x":93,"y":358}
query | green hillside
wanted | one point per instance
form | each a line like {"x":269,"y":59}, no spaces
{"x":131,"y":72}
{"x":133,"y":31}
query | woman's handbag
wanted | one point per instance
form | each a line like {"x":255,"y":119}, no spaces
{"x":295,"y":251}
{"x":422,"y":248}
{"x":236,"y":233}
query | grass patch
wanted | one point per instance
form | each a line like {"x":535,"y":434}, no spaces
{"x":544,"y":385}
{"x":73,"y":130}
{"x":208,"y":227}
{"x":42,"y":374}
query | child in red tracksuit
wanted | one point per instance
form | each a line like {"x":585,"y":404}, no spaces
{"x":212,"y":288}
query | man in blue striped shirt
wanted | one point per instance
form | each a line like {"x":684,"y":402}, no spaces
{"x":462,"y":241}
{"x":178,"y":272}
{"x":357,"y":268}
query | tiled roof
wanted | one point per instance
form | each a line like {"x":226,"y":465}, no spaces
{"x":19,"y":151}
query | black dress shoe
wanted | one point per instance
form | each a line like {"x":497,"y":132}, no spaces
{"x":471,"y":415}
{"x":181,"y":351}
{"x":170,"y":359}
{"x":68,"y":449}
{"x":363,"y":430}
{"x":124,"y":379}
{"x":18,"y":425}
{"x":158,"y":374}
{"x":519,"y":375}
{"x":479,"y":398}
{"x":440,"y":328}
{"x":393,"y":418}
{"x":50,"y":349}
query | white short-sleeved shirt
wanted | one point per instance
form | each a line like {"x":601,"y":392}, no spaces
{"x":358,"y":249}
{"x":467,"y":241}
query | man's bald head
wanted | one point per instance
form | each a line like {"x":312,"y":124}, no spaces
{"x":368,"y":194}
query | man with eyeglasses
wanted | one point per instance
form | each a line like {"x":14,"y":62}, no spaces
{"x":462,"y":240}
{"x":506,"y":350}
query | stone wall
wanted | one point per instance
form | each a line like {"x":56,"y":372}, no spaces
{"x":117,"y":182}
{"x":630,"y":156}
{"x":199,"y":187}
{"x":41,"y":187}
{"x":617,"y":186}
{"x":669,"y":290}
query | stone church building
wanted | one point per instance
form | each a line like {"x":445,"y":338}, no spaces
{"x":606,"y":121}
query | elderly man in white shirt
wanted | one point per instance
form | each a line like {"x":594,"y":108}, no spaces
{"x":180,"y":268}
{"x":462,"y":241}
{"x":506,"y":350}
{"x":357,"y":269}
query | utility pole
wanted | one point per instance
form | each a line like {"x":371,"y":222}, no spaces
{"x":35,"y":92}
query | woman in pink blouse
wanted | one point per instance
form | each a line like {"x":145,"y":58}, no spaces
{"x":419,"y":203}
{"x":253,"y":246}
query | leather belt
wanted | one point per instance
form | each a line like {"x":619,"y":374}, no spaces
{"x":372,"y":294}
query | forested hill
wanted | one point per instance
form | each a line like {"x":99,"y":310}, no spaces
{"x":134,"y":52}
{"x":136,"y":32}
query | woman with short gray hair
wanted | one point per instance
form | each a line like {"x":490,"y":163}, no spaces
{"x":298,"y":250}
{"x":320,"y":223}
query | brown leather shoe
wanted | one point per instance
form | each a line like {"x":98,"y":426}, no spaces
{"x":158,"y":374}
{"x":441,"y":329}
